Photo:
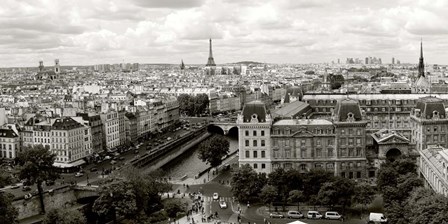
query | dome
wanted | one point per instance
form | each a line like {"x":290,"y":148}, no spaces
{"x":254,"y":109}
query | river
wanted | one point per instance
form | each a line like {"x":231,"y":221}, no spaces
{"x":189,"y":163}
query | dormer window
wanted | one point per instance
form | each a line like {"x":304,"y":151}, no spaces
{"x":350,"y":117}
{"x":435,"y":115}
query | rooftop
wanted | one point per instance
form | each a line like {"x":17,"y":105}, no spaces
{"x":288,"y":122}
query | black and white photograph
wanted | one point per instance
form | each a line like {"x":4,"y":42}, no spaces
{"x":223,"y":112}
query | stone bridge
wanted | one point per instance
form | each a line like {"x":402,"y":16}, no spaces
{"x":223,"y":127}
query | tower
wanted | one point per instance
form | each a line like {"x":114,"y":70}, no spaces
{"x":41,"y":66}
{"x":210,"y":61}
{"x":57,"y":69}
{"x":421,"y":64}
{"x":182,"y":65}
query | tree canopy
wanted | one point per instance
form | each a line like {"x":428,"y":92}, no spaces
{"x":64,"y":216}
{"x":8,"y":213}
{"x":117,"y":198}
{"x":213,"y":150}
{"x":193,"y":105}
{"x":246,"y":184}
{"x":36,"y":167}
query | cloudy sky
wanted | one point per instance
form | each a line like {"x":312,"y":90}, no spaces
{"x":86,"y":32}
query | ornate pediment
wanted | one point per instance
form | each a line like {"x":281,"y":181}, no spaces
{"x":393,"y":139}
{"x":303,"y":132}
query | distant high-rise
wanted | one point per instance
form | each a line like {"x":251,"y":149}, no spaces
{"x":421,"y":64}
{"x":393,"y":60}
{"x":367,"y":61}
{"x":41,"y":66}
{"x":210,"y":61}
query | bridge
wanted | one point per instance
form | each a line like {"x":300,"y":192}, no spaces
{"x":223,"y":127}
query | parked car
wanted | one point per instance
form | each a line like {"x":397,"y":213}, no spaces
{"x":377,"y":218}
{"x":276,"y":215}
{"x":294,"y":215}
{"x":93,"y":169}
{"x":26,"y":188}
{"x":313,"y":215}
{"x":215,"y":196}
{"x":333,"y":215}
{"x":79,"y":174}
{"x":107,"y":158}
{"x":28,"y":196}
{"x":113,"y":162}
{"x":15,"y":186}
{"x":222,"y":204}
{"x":121,"y":158}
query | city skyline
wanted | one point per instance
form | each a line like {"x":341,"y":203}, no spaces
{"x":161,"y":31}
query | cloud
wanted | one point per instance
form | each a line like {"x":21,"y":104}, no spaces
{"x":168,"y":3}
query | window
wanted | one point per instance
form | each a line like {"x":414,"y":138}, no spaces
{"x":343,"y":141}
{"x":319,"y":153}
{"x":255,"y":133}
{"x":247,"y":133}
{"x":358,"y":152}
{"x":247,"y":142}
{"x":342,"y":132}
{"x":255,"y":143}
{"x":358,"y":131}
{"x":287,"y":153}
{"x":358,"y":141}
{"x":303,"y":142}
{"x":263,"y":154}
{"x":330,"y":152}
{"x":263,"y":166}
{"x":351,"y":152}
{"x":358,"y":174}
{"x":255,"y":154}
{"x":303,"y":153}
{"x":303,"y":167}
{"x":343,"y":152}
{"x":263,"y":143}
{"x":350,"y":131}
{"x":318,"y":142}
{"x":276,"y":153}
{"x":255,"y":166}
{"x":247,"y":154}
{"x":262,"y":133}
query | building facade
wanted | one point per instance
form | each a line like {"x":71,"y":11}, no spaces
{"x":111,"y":138}
{"x":433,"y":167}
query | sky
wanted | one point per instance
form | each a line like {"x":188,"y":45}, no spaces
{"x":87,"y":32}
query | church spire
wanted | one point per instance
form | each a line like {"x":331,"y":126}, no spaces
{"x":421,"y":64}
{"x":210,"y":61}
{"x":182,"y":65}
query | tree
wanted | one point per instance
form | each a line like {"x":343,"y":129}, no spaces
{"x":212,"y":150}
{"x":268,"y":194}
{"x":64,"y":216}
{"x":364,"y":194}
{"x":36,"y":167}
{"x":8,"y":213}
{"x":425,"y":206}
{"x":387,"y":176}
{"x":313,"y":180}
{"x":247,"y":184}
{"x":296,"y":196}
{"x":201,"y":103}
{"x":337,"y":192}
{"x":117,"y":198}
{"x":278,"y":178}
{"x":5,"y":179}
{"x":173,"y":207}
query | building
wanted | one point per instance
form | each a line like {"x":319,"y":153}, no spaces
{"x":254,"y":134}
{"x":131,"y":128}
{"x":71,"y":142}
{"x":433,"y":167}
{"x":111,"y":132}
{"x":96,"y":127}
{"x":429,"y":123}
{"x":122,"y":127}
{"x":9,"y":143}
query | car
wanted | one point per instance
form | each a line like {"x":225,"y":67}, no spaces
{"x":333,"y":215}
{"x":79,"y":174}
{"x":222,"y":204}
{"x":113,"y":162}
{"x":215,"y":196}
{"x":294,"y":215}
{"x":15,"y":186}
{"x":377,"y":218}
{"x":107,"y":158}
{"x":26,"y":188}
{"x":28,"y":196}
{"x":116,"y":154}
{"x":313,"y":215}
{"x":93,"y":169}
{"x":121,"y":158}
{"x":276,"y":215}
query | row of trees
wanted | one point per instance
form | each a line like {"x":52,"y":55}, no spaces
{"x":193,"y":105}
{"x":405,"y":198}
{"x":283,"y":187}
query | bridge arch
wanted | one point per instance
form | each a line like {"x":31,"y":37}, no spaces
{"x":215,"y":129}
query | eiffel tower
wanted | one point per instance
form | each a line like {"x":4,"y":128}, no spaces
{"x":210,"y":61}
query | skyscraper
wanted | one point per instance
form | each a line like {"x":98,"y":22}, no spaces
{"x":393,"y":60}
{"x":421,"y":64}
{"x":210,"y":61}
